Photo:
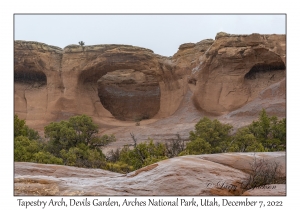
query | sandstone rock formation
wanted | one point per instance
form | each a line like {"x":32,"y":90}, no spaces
{"x":230,"y":78}
{"x":129,"y":94}
{"x":63,"y":83}
{"x":36,"y":73}
{"x":236,"y":69}
{"x":214,"y":174}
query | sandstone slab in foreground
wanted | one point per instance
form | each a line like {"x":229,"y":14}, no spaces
{"x":215,"y":174}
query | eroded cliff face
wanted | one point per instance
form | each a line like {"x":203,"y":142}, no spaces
{"x":236,"y":68}
{"x":230,"y":79}
{"x":37,"y":80}
{"x":103,"y":81}
{"x":118,"y":84}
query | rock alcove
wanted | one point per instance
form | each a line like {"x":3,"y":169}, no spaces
{"x":262,"y":75}
{"x":30,"y":77}
{"x":263,"y":69}
{"x":130,"y":94}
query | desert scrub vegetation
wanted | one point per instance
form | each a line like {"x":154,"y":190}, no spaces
{"x":28,"y":146}
{"x":73,"y":142}
{"x":267,"y":134}
{"x":262,"y":173}
{"x":134,"y":156}
{"x":76,"y":142}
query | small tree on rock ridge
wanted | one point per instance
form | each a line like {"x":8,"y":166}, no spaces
{"x":81,"y":43}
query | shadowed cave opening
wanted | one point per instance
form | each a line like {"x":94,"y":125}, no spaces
{"x":30,"y":77}
{"x":262,"y":68}
{"x":129,"y":94}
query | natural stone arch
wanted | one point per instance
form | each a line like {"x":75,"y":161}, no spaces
{"x":142,"y":64}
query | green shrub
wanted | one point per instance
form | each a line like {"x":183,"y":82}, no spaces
{"x":24,"y":149}
{"x":83,"y":156}
{"x":73,"y":142}
{"x":77,"y":130}
{"x":67,"y":134}
{"x":46,"y":158}
{"x":213,"y":132}
{"x":27,"y":150}
{"x":245,"y":141}
{"x":269,"y":131}
{"x":142,"y":154}
{"x":21,"y":129}
{"x":209,"y":136}
{"x":197,"y":147}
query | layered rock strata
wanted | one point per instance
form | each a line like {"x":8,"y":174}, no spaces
{"x":232,"y":78}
